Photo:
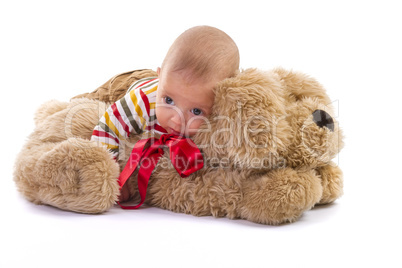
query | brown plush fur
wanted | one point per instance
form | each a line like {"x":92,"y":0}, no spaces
{"x":59,"y":166}
{"x":265,"y":159}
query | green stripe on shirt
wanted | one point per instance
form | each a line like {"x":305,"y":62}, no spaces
{"x":139,"y":82}
{"x":130,"y":116}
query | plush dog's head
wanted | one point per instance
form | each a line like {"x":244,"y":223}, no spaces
{"x":264,"y":120}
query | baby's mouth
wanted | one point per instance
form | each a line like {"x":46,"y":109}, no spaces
{"x":174,"y":132}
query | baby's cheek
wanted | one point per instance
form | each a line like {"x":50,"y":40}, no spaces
{"x":161,"y":115}
{"x":194,"y":124}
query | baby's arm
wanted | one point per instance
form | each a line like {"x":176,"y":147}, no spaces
{"x":128,"y":115}
{"x":122,"y":118}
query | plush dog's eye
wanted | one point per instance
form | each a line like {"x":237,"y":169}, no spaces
{"x":323,"y":119}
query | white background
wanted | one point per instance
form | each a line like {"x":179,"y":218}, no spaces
{"x":56,"y":50}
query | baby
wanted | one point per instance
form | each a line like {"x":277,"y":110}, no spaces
{"x":180,"y":98}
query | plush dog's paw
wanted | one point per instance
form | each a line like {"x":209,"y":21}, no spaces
{"x":79,"y":176}
{"x":280,"y":196}
{"x":332,"y":183}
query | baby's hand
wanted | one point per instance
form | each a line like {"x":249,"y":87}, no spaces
{"x":124,"y":193}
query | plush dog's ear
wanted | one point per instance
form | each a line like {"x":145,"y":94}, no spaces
{"x":248,"y":120}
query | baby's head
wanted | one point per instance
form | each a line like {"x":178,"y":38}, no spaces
{"x":198,"y":59}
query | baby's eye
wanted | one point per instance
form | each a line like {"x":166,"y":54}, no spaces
{"x":168,"y":100}
{"x":196,"y":111}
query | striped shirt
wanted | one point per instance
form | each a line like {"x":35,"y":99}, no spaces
{"x":134,"y":113}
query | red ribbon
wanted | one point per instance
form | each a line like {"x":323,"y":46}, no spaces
{"x":184,"y":154}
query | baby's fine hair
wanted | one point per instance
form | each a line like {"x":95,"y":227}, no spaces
{"x":203,"y":52}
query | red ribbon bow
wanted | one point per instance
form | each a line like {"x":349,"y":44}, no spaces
{"x":184,"y":154}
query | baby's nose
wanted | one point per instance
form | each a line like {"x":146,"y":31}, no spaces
{"x":323,"y":119}
{"x":177,"y":119}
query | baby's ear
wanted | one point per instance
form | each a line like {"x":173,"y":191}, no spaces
{"x":248,"y":119}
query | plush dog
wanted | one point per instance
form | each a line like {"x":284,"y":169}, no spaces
{"x":267,"y":151}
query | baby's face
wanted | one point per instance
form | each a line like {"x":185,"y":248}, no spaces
{"x":182,"y":107}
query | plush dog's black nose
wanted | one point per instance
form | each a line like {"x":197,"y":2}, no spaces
{"x":323,"y":119}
